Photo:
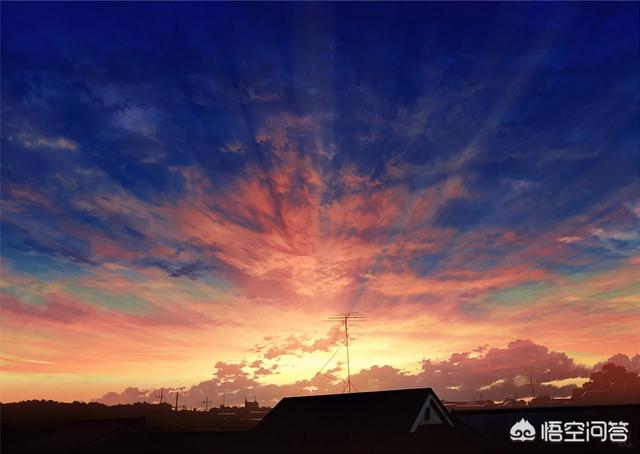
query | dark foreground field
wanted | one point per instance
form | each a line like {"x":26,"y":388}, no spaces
{"x":142,"y":428}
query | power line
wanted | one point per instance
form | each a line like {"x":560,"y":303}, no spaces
{"x":335,"y":352}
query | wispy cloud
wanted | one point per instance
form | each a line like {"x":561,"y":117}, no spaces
{"x":53,"y":143}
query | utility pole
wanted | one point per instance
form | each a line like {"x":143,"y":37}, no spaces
{"x":224,"y":395}
{"x":206,"y":403}
{"x":344,"y":319}
{"x":161,"y":396}
{"x":533,"y":391}
{"x":177,"y":395}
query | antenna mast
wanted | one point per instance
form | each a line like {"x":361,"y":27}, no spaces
{"x":344,"y":319}
{"x":177,"y":395}
{"x":206,"y":403}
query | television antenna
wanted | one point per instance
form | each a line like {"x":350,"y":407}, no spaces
{"x":206,"y":403}
{"x":345,"y":319}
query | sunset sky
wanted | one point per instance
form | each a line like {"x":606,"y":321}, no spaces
{"x":189,"y":191}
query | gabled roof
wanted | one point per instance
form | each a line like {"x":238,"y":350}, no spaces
{"x":389,"y":412}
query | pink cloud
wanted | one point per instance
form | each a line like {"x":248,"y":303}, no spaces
{"x":496,"y":373}
{"x":54,"y":310}
{"x":64,"y":309}
{"x":454,"y":283}
{"x":280,"y":236}
{"x":296,"y":345}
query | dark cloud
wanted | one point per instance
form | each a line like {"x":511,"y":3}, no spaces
{"x":192,"y":270}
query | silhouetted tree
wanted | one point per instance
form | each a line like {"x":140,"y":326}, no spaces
{"x":611,"y":383}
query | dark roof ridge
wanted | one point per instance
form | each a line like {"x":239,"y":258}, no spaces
{"x":360,"y":393}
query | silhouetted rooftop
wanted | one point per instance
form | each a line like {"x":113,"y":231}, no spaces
{"x":389,"y":412}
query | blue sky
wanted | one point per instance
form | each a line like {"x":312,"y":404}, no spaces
{"x":468,"y":163}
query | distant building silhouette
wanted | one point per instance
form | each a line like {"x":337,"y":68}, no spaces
{"x":251,"y":405}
